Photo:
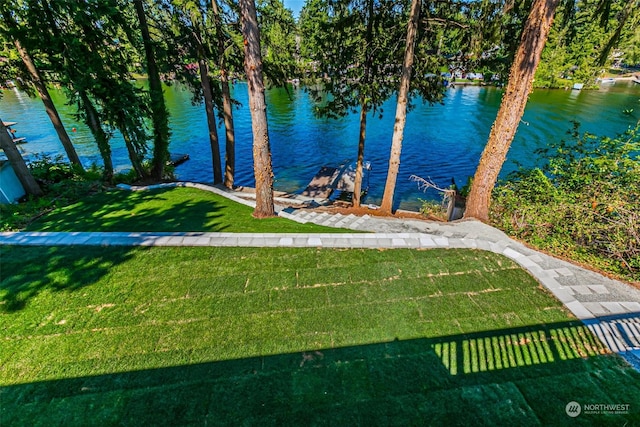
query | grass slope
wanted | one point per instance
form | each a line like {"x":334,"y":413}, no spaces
{"x":175,"y":209}
{"x":228,"y":336}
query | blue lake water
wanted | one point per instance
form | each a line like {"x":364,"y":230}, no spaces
{"x":441,"y":141}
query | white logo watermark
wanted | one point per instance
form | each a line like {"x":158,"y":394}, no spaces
{"x":573,"y":409}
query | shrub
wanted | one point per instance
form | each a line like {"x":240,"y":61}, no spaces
{"x":433,"y":209}
{"x":62,"y":184}
{"x":47,"y":170}
{"x":582,"y":203}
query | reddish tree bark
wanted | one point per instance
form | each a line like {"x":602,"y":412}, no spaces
{"x":230,"y":136}
{"x":514,"y":100}
{"x":401,"y":110}
{"x":357,"y":183}
{"x":364,"y":108}
{"x":262,"y":167}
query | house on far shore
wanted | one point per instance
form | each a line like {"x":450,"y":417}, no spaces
{"x":11,"y":190}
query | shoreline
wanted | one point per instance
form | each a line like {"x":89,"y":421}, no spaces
{"x":595,"y":86}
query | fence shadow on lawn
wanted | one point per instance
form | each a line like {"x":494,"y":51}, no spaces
{"x":517,"y":376}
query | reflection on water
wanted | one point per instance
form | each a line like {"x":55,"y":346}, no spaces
{"x":441,"y":141}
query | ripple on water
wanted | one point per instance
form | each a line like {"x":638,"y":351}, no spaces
{"x":441,"y":141}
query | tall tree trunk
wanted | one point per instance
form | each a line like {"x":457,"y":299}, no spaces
{"x":159,"y":113}
{"x":17,"y":162}
{"x":357,"y":183}
{"x":230,"y":137}
{"x":102,"y":139}
{"x":366,"y":79}
{"x":134,"y":155}
{"x":514,"y":100}
{"x":227,"y":109}
{"x":401,"y":110}
{"x":205,"y":82}
{"x":52,"y":112}
{"x":263,"y":170}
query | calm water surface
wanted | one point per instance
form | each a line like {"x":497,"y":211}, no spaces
{"x":441,"y":141}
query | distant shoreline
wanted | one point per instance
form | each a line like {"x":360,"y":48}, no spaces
{"x":631,"y":77}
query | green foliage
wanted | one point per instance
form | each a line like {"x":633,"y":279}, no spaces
{"x":50,"y":171}
{"x":631,"y":48}
{"x":433,"y":209}
{"x":59,"y":177}
{"x":582,"y":39}
{"x":583,"y":203}
{"x":62,"y":184}
{"x":125,"y":177}
{"x":86,"y":47}
{"x":278,"y":41}
{"x":313,"y":18}
{"x":356,"y":47}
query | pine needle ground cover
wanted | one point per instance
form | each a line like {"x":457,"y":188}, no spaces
{"x":175,"y":209}
{"x":233,"y":336}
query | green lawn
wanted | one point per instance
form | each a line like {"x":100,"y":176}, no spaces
{"x":233,"y":336}
{"x":175,"y":209}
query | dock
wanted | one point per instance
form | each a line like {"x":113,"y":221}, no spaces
{"x":339,"y":179}
{"x":12,"y":133}
{"x":176,"y":159}
{"x":322,"y":184}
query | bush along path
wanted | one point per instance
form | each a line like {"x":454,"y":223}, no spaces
{"x":609,"y":308}
{"x":580,"y":203}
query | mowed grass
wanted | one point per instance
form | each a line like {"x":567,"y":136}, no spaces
{"x":173,"y":209}
{"x":250,"y":336}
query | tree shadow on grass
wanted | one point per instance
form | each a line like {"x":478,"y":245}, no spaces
{"x":29,"y":271}
{"x":153,"y":210}
{"x":516,"y":376}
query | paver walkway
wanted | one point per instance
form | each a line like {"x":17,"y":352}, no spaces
{"x":611,"y":309}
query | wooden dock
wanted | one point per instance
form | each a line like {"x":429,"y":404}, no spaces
{"x":340,"y":179}
{"x":322,"y":185}
{"x":176,"y":159}
{"x":12,"y":133}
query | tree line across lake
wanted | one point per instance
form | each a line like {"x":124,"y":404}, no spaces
{"x":353,"y":55}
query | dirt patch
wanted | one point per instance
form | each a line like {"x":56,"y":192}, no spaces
{"x":364,"y":210}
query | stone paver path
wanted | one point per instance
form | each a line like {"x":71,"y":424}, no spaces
{"x":611,"y":309}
